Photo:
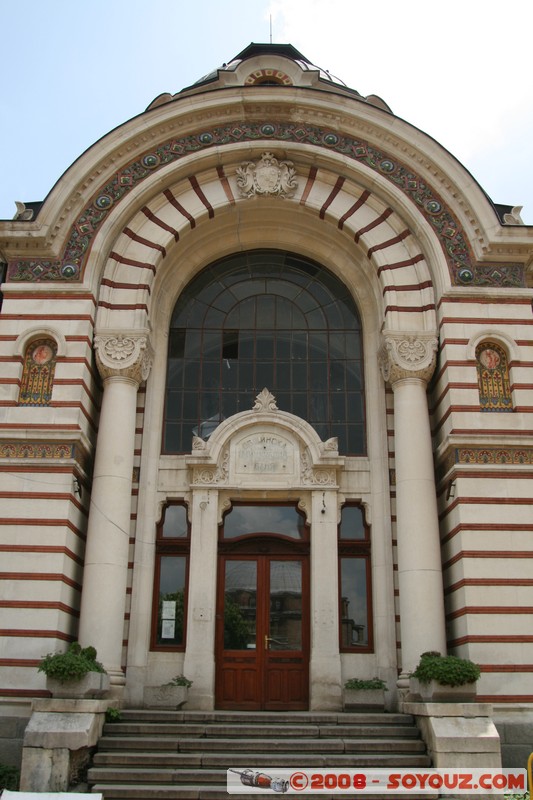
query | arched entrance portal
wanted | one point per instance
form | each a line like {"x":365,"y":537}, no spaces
{"x":259,"y":319}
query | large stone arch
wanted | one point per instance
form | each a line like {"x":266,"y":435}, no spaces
{"x":178,"y":225}
{"x":428,"y":187}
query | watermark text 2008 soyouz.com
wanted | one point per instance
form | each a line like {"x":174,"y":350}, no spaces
{"x":431,"y":782}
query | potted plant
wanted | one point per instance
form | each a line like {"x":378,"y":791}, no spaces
{"x":75,"y":673}
{"x":364,"y":694}
{"x":170,"y":695}
{"x":443,"y":679}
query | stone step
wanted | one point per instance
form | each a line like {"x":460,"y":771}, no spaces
{"x":261,"y":717}
{"x":375,"y":746}
{"x":153,"y":755}
{"x":212,"y":769}
{"x":182,"y":745}
{"x":158,"y":729}
{"x":111,"y":776}
{"x":194,"y":792}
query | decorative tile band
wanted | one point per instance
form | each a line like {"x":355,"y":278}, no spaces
{"x":494,"y":455}
{"x":56,"y":451}
{"x":483,"y":456}
{"x":463,"y":271}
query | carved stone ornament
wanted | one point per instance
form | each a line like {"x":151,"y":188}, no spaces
{"x":265,"y":401}
{"x":268,"y":176}
{"x":125,"y":355}
{"x":315,"y":477}
{"x":213,"y":475}
{"x":330,"y":446}
{"x":408,"y":355}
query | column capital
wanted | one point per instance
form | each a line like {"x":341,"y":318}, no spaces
{"x":407,"y":354}
{"x":124,"y":354}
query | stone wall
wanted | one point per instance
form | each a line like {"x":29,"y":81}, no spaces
{"x":11,"y":737}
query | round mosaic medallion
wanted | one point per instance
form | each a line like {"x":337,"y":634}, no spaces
{"x":68,"y":270}
{"x":268,"y":129}
{"x":489,"y":358}
{"x":331,"y":139}
{"x":150,"y":161}
{"x":386,"y":165}
{"x":433,"y":207}
{"x":205,"y":138}
{"x":465,"y":275}
{"x":103,"y":201}
{"x":42,"y":354}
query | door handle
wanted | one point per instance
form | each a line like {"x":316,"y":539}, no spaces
{"x":267,"y":640}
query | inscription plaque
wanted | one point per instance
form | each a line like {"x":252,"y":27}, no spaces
{"x":265,"y":454}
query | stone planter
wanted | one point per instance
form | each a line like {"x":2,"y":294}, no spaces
{"x":363,"y":699}
{"x":434,"y":692}
{"x":166,"y":696}
{"x":93,"y":685}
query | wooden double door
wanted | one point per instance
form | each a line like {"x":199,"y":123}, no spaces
{"x":262,"y":647}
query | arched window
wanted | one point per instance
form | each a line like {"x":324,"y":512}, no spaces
{"x":270,"y":319}
{"x":38,"y":373}
{"x":493,"y":377}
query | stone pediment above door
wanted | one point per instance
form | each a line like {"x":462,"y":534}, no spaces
{"x":264,"y":448}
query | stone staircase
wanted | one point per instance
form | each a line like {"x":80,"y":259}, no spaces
{"x":184,"y":755}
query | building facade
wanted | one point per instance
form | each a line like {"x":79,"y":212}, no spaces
{"x":265,"y":413}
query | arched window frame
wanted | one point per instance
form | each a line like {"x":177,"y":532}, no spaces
{"x":224,"y":348}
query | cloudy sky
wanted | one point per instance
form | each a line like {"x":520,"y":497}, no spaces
{"x":72,"y":71}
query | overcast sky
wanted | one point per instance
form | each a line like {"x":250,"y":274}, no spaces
{"x":72,"y":71}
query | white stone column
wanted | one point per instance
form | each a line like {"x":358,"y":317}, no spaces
{"x":201,"y":609}
{"x":325,"y":662}
{"x":123,"y":361}
{"x":407,"y":362}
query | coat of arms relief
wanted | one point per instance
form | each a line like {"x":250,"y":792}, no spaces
{"x":267,"y":176}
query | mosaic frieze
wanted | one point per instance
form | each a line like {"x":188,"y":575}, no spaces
{"x":499,"y":455}
{"x":39,"y":450}
{"x":484,"y":456}
{"x":462,"y":269}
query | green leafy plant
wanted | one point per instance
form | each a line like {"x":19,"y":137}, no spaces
{"x":180,"y":680}
{"x":73,"y":665}
{"x":9,"y":778}
{"x":446,"y":670}
{"x":112,"y":714}
{"x":361,"y":684}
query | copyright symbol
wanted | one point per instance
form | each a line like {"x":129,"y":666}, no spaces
{"x":299,"y":781}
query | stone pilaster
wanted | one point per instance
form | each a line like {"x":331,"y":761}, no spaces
{"x":124,"y":360}
{"x":407,"y":362}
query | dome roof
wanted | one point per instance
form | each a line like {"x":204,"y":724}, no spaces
{"x":286,"y":50}
{"x":280,"y":65}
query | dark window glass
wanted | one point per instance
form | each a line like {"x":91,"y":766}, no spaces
{"x":170,"y":588}
{"x":354,"y":605}
{"x":230,"y":347}
{"x":352,"y":523}
{"x":265,"y":319}
{"x":175,"y":525}
{"x":355,"y":614}
{"x":245,"y":520}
